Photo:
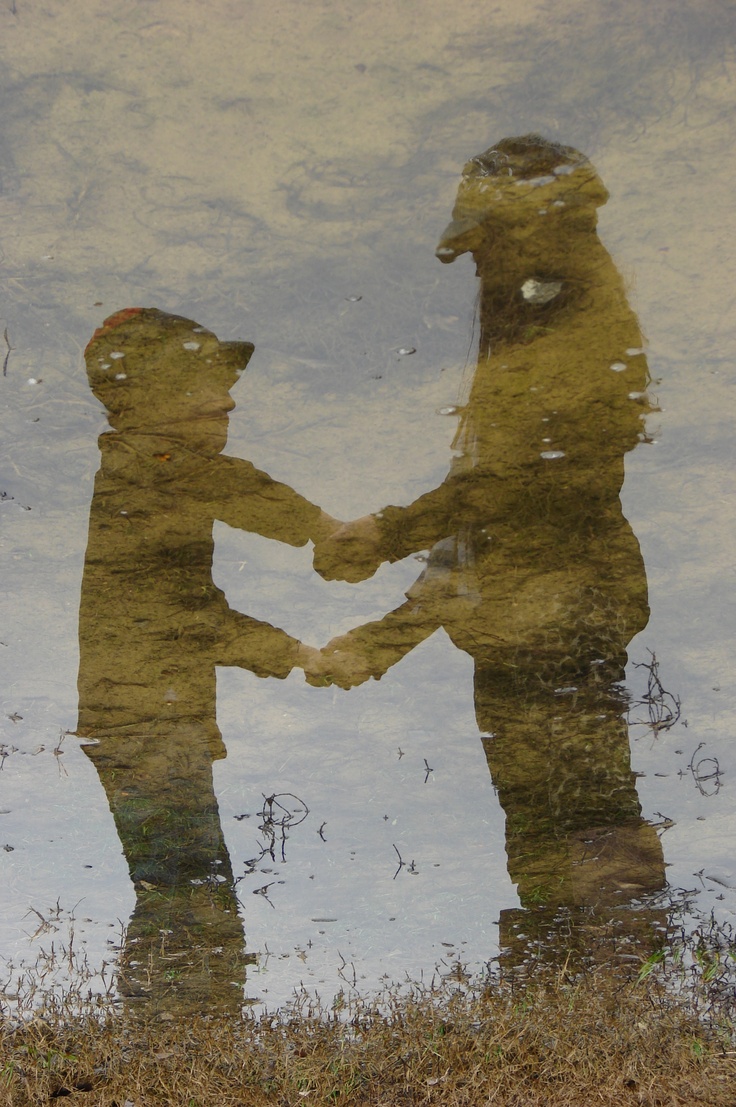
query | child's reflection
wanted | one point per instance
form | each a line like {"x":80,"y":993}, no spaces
{"x":532,"y":568}
{"x":153,"y":626}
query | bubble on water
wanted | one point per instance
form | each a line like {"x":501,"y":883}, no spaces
{"x":191,"y":345}
{"x":32,"y":380}
{"x":116,"y":355}
{"x":449,"y":409}
{"x":618,"y":366}
{"x":536,"y":182}
{"x":552,"y":455}
{"x":353,"y":299}
{"x":404,"y":351}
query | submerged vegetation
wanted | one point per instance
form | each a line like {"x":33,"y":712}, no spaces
{"x":658,"y":1031}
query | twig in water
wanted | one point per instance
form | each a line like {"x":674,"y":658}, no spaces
{"x":10,"y":349}
{"x":663,"y":707}
{"x":703,"y":770}
{"x":341,"y":973}
{"x":264,"y":892}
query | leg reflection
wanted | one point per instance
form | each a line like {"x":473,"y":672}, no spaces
{"x":185,"y":944}
{"x":583,"y":858}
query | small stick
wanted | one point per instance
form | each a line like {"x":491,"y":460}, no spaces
{"x":10,"y":349}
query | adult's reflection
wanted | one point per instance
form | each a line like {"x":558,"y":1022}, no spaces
{"x":152,"y":628}
{"x":533,"y":569}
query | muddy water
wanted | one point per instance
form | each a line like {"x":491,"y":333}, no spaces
{"x":282,"y":176}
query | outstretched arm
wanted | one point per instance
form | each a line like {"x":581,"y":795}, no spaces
{"x":250,"y":499}
{"x":263,"y":649}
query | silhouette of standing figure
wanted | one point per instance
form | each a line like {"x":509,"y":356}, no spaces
{"x":532,"y":568}
{"x":152,"y":628}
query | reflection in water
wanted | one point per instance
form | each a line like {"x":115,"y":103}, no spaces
{"x":532,"y":568}
{"x":152,"y":628}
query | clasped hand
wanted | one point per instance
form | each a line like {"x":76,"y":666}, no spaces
{"x":351,"y":553}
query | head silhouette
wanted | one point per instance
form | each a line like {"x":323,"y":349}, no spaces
{"x":159,"y":372}
{"x":513,"y":184}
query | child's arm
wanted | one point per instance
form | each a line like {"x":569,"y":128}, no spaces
{"x":262,"y":648}
{"x":248,"y":499}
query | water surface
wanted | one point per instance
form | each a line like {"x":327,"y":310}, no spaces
{"x":283,"y":177}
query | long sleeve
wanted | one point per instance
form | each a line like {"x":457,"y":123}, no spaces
{"x":248,"y":499}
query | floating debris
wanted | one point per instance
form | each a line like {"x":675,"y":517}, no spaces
{"x":535,"y":182}
{"x":540,"y":292}
{"x":10,"y":350}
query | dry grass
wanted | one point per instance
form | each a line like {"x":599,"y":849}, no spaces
{"x":552,"y":1040}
